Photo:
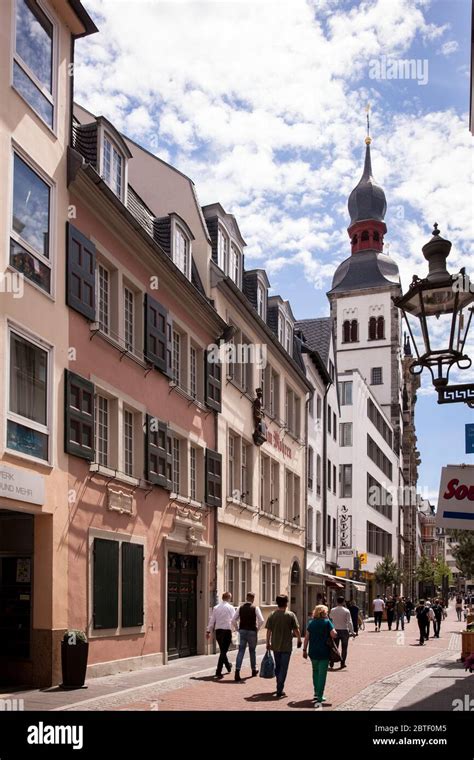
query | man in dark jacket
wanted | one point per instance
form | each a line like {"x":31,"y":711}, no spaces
{"x":249,"y":619}
{"x":390,"y":607}
{"x":421,"y":612}
{"x":354,"y":610}
{"x":408,"y":609}
{"x":438,"y":616}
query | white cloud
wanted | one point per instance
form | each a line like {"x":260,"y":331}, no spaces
{"x":449,"y":47}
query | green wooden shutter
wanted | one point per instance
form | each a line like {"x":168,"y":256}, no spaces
{"x":157,"y":457}
{"x":213,"y":383}
{"x":80,"y":273}
{"x":105,"y":583}
{"x":78,"y":416}
{"x":213,"y":478}
{"x":156,"y":339}
{"x":132,"y":584}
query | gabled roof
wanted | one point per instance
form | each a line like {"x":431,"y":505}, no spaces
{"x":317,"y":333}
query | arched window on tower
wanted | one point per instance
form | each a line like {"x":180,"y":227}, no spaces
{"x":380,"y":328}
{"x":354,"y":240}
{"x":372,"y":328}
{"x":354,"y":331}
{"x":346,"y":332}
{"x":365,"y":235}
{"x":376,"y":236}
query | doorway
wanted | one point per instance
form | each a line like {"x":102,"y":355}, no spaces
{"x":295,"y":593}
{"x":182,"y":605}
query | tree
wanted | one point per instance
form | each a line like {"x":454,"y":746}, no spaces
{"x":387,"y":573}
{"x":463,"y":553}
{"x":424,"y":571}
{"x":441,"y":570}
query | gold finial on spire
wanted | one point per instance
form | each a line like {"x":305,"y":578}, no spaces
{"x":368,"y":139}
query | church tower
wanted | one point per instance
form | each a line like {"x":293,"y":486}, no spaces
{"x":366,"y":323}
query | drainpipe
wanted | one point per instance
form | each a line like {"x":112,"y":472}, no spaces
{"x":324,"y":469}
{"x":216,"y":533}
{"x":305,"y":555}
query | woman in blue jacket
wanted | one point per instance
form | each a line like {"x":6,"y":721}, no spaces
{"x":317,"y":634}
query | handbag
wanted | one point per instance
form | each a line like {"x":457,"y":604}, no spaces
{"x":267,"y":666}
{"x":334,"y":654}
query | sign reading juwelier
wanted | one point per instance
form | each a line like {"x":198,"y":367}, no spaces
{"x":456,"y":497}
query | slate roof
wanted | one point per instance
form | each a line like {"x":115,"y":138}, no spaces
{"x":366,"y":269}
{"x":317,"y":334}
{"x":367,"y":200}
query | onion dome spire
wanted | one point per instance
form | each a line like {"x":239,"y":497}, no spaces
{"x":367,"y":200}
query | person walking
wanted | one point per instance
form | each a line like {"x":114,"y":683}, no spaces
{"x":409,"y":609}
{"x":220,"y":621}
{"x":354,"y":610}
{"x":341,"y":618}
{"x":438,"y":616}
{"x":421,"y":612}
{"x":317,"y":634}
{"x":378,"y":606}
{"x":400,"y":612}
{"x":431,"y":619}
{"x":281,"y":626}
{"x":249,"y":619}
{"x":390,"y":607}
{"x":459,"y":607}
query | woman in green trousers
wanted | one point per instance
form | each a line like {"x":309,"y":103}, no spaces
{"x":317,"y":634}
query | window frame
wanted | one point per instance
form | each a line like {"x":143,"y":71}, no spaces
{"x":47,"y":429}
{"x":178,"y":229}
{"x":15,"y":57}
{"x":105,"y":134}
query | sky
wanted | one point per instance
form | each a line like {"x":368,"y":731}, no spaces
{"x":262,"y":103}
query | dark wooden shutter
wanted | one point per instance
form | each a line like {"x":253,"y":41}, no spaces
{"x":213,"y":478}
{"x":132,"y":584}
{"x":157,"y":456}
{"x":155,"y":333}
{"x":78,"y":416}
{"x":80,"y":273}
{"x":105,"y":583}
{"x":169,"y":347}
{"x":213,"y":382}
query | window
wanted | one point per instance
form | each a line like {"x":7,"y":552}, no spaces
{"x":129,"y":318}
{"x":318,"y":474}
{"x":230,"y":580}
{"x":345,"y":392}
{"x":318,"y":531}
{"x":281,"y":328}
{"x":181,"y":251}
{"x":376,"y":376}
{"x":193,"y":473}
{"x":334,"y":478}
{"x":31,"y":223}
{"x":176,"y":357}
{"x":350,"y":331}
{"x":239,"y":468}
{"x":329,"y":420}
{"x":334,"y":532}
{"x":113,"y":164}
{"x":379,"y":542}
{"x":292,"y":412}
{"x":274,"y":486}
{"x":376,"y":328}
{"x":378,"y":497}
{"x":289,"y":337}
{"x":174,"y":447}
{"x":231,"y":468}
{"x":377,"y":456}
{"x":261,"y":301}
{"x":246,"y":453}
{"x":328,"y":530}
{"x":102,"y":430}
{"x":311,"y":406}
{"x":128,"y":442}
{"x":273,"y":385}
{"x":334,"y":426}
{"x":310,"y":529}
{"x":310,"y":467}
{"x":345,"y":434}
{"x":379,"y":421}
{"x":244,"y":572}
{"x":235,"y":264}
{"x":292,"y":505}
{"x":28,"y":409}
{"x":103,"y":298}
{"x":318,"y":407}
{"x":193,"y":372}
{"x":33,"y":74}
{"x":117,"y":584}
{"x":329,"y":475}
{"x":331,"y":370}
{"x":270,"y":582}
{"x":345,"y":476}
{"x":222,"y":249}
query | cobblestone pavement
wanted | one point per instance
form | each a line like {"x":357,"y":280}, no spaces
{"x":378,"y":665}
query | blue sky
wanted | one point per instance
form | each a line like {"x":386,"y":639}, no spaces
{"x":262,"y":104}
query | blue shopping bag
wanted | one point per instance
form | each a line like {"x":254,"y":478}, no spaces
{"x":267,"y":667}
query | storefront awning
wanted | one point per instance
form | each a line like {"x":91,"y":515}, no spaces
{"x":318,"y":579}
{"x":359,"y":586}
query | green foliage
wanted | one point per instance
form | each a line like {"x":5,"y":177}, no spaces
{"x":441,"y":570}
{"x":464,"y":552}
{"x":425,"y":570}
{"x":387,"y":573}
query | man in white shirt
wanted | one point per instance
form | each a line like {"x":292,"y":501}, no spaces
{"x":378,"y":606}
{"x":250,"y":620}
{"x":342,"y":621}
{"x":220,"y":621}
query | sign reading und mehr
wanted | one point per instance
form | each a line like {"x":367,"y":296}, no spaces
{"x":456,"y":498}
{"x":470,"y":438}
{"x":21,"y":485}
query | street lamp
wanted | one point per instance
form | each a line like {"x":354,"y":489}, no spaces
{"x":438,"y":302}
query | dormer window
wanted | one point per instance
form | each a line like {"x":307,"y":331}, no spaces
{"x":181,"y":250}
{"x":289,"y":337}
{"x":222,"y":250}
{"x":235,"y":264}
{"x":261,"y":301}
{"x":113,"y":166}
{"x":33,"y":65}
{"x":281,"y":329}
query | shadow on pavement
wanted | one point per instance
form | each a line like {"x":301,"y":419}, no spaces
{"x":263,"y":696}
{"x":308,"y":704}
{"x":458,"y":697}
